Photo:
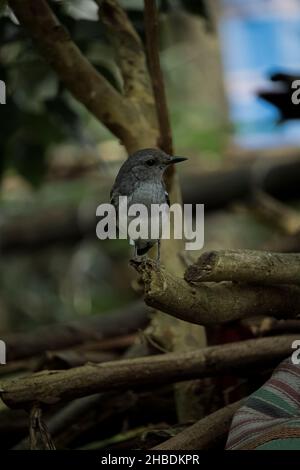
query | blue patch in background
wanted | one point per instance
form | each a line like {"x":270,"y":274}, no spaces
{"x":254,"y":45}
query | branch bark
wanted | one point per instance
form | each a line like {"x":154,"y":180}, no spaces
{"x":216,"y":304}
{"x":49,"y":387}
{"x":207,"y":433}
{"x":245,"y":266}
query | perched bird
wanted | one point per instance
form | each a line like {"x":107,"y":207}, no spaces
{"x":140,"y":178}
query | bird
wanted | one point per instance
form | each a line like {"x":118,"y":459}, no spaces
{"x":140,"y":178}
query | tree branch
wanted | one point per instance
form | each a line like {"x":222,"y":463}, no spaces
{"x":245,"y":266}
{"x":216,"y":304}
{"x":207,"y":433}
{"x":129,"y":50}
{"x":78,"y":74}
{"x":49,"y":387}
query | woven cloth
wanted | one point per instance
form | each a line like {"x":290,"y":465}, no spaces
{"x":270,"y":417}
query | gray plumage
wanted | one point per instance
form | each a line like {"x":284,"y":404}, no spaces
{"x":140,"y":178}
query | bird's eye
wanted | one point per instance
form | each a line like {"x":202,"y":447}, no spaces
{"x":150,"y":162}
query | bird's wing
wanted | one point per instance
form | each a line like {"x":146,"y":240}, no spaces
{"x":114,"y":195}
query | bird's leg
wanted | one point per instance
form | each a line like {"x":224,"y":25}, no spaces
{"x":135,"y":256}
{"x":158,"y":252}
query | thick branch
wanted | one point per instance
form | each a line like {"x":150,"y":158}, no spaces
{"x":129,"y":50}
{"x":207,"y":433}
{"x":246,"y":266}
{"x":78,"y":74}
{"x":52,"y":386}
{"x":208,"y":305}
{"x":65,"y":335}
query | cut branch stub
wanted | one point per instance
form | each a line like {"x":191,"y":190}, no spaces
{"x":214,"y":304}
{"x":256,"y":267}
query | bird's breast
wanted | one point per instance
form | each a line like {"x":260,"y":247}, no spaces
{"x":148,"y":193}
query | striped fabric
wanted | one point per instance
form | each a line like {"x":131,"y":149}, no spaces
{"x":270,"y":418}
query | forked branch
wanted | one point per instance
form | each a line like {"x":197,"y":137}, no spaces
{"x":215,"y":304}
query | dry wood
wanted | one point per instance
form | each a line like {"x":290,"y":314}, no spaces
{"x":49,"y":387}
{"x":215,"y":304}
{"x":207,"y":433}
{"x":246,"y":266}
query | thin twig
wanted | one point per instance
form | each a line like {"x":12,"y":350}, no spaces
{"x":152,"y":42}
{"x":38,"y":429}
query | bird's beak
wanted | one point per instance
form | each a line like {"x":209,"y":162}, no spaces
{"x":176,"y":160}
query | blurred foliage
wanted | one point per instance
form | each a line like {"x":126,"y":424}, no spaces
{"x":193,"y":129}
{"x":39,"y":113}
{"x":61,"y":283}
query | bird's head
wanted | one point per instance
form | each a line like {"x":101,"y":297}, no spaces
{"x":151,"y":163}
